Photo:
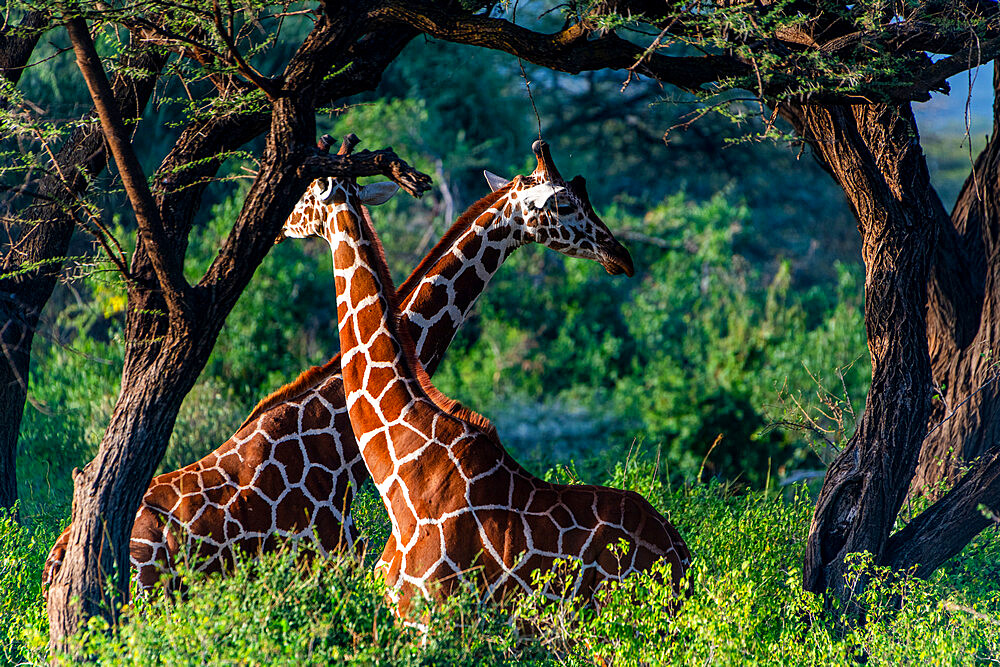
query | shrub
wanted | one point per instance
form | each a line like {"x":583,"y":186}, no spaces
{"x":23,"y":550}
{"x":283,"y":610}
{"x":747,"y":605}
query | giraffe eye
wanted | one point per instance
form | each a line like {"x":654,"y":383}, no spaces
{"x":566,"y":209}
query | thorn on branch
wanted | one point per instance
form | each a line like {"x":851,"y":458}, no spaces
{"x":325,"y":143}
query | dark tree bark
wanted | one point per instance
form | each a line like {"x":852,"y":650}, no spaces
{"x":942,"y":530}
{"x":964,"y":424}
{"x":874,"y":153}
{"x":17,"y":45}
{"x":177,"y":327}
{"x":40,"y":241}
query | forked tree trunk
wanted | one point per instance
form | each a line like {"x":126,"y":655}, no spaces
{"x":965,"y":423}
{"x":874,"y":154}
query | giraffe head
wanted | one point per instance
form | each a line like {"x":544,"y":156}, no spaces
{"x":558,"y":214}
{"x":313,"y":213}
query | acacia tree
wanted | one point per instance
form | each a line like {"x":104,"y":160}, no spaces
{"x":842,"y":74}
{"x":172,"y":325}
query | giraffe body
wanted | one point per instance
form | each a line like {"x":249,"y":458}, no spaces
{"x":462,"y":509}
{"x":292,"y":468}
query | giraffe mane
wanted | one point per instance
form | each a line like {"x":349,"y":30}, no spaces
{"x":449,"y":405}
{"x":464,"y":221}
{"x":307,"y":379}
{"x":317,"y":374}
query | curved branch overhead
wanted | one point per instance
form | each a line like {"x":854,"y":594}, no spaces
{"x":573,"y":49}
{"x":578,"y":47}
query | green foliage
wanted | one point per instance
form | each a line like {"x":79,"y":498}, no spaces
{"x":746,"y":605}
{"x":280,"y":610}
{"x":697,"y":345}
{"x":23,"y":550}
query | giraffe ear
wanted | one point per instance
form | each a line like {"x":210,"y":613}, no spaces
{"x":539,"y":195}
{"x":374,"y":194}
{"x":496,"y":182}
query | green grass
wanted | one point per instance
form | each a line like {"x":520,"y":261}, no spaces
{"x":747,"y":605}
{"x":23,"y":621}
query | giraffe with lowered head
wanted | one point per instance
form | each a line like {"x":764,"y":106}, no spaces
{"x":457,"y":501}
{"x":293,"y":467}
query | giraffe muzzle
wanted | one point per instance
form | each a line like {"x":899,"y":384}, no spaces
{"x":616,"y":260}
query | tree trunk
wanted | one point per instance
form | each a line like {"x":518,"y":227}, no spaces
{"x":98,"y":549}
{"x":166,"y":350}
{"x":874,"y":153}
{"x":36,"y":256}
{"x":15,"y":49}
{"x":964,"y":424}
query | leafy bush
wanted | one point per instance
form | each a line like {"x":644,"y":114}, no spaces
{"x":747,"y":605}
{"x":23,"y":549}
{"x":696,"y":345}
{"x":284,"y":610}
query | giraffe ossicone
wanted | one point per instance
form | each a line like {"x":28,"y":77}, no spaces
{"x":458,"y":502}
{"x":292,"y":468}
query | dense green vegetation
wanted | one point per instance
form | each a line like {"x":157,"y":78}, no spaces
{"x":747,"y":606}
{"x":736,"y":354}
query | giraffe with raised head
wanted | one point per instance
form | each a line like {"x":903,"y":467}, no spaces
{"x":292,"y":468}
{"x":461,"y":508}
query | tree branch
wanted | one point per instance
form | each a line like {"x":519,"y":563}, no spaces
{"x":577,"y":48}
{"x":367,"y":163}
{"x":943,"y":529}
{"x":168,"y":267}
{"x":573,"y":49}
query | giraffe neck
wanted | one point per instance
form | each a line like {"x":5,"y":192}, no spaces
{"x":380,"y":372}
{"x":406,"y":430}
{"x":440,"y":293}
